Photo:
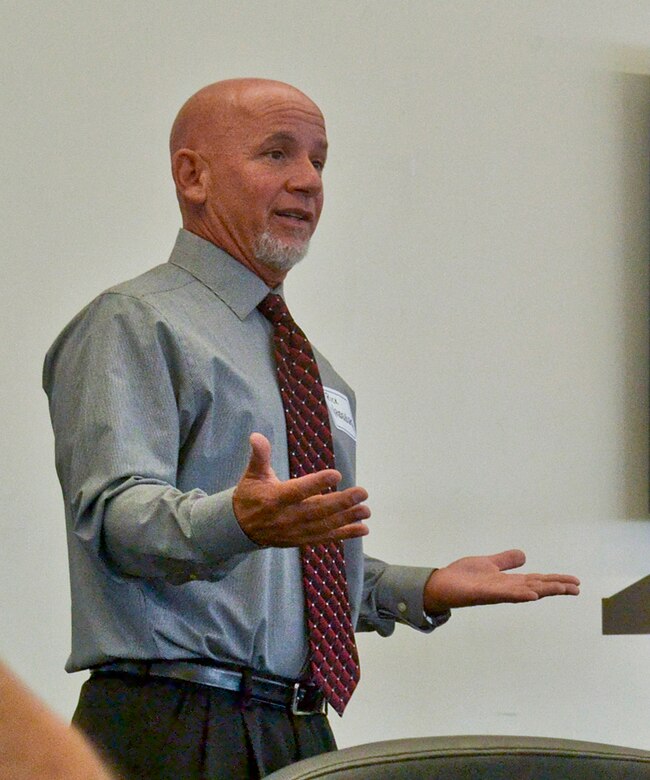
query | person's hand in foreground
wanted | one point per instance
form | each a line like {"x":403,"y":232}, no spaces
{"x":477,"y":580}
{"x":296,"y":512}
{"x":35,"y":744}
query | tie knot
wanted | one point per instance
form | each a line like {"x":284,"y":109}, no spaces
{"x":275,"y":310}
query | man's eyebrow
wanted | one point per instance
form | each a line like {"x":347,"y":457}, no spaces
{"x":288,"y":138}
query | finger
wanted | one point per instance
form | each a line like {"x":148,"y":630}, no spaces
{"x":298,"y":489}
{"x":349,"y":531}
{"x":354,"y":514}
{"x":344,"y":525}
{"x":318,"y":522}
{"x":566,"y":578}
{"x":259,"y":464}
{"x":545,"y":587}
{"x":324,"y":505}
{"x":509,"y":559}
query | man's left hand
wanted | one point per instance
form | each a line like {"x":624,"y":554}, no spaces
{"x":485,"y":579}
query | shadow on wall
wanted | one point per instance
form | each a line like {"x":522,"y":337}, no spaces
{"x":628,"y":612}
{"x":633,"y":92}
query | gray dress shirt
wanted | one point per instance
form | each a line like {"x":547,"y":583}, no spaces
{"x":154,"y":389}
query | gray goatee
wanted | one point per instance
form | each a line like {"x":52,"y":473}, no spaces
{"x":275,"y":254}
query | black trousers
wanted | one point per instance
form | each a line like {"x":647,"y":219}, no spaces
{"x":163,"y":729}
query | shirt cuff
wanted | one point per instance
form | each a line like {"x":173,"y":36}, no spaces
{"x":400,"y":595}
{"x":216,"y":529}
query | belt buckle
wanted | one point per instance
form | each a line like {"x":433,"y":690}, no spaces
{"x":301,"y":698}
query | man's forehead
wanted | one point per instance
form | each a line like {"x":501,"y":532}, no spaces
{"x":246,"y":107}
{"x":275,"y":106}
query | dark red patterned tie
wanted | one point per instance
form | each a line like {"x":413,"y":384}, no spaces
{"x":334,"y":659}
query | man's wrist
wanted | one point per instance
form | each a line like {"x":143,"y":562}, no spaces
{"x":432,"y":608}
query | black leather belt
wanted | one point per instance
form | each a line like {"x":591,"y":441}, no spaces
{"x":298,"y":697}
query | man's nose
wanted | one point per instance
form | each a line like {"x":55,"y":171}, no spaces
{"x":304,"y":177}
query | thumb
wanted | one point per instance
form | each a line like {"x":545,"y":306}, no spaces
{"x":259,"y":465}
{"x":510,"y":559}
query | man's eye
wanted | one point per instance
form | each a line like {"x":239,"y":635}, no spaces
{"x":318,"y":164}
{"x":276,"y":154}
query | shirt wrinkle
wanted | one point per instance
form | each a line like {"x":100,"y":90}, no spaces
{"x":176,"y":385}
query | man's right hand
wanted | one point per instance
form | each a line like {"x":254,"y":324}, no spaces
{"x":293,"y":513}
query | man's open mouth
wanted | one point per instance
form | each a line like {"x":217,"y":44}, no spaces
{"x":299,"y":214}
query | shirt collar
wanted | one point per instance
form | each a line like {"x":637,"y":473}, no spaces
{"x":238,"y":287}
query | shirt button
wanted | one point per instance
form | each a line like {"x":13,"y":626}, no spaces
{"x":401,"y":607}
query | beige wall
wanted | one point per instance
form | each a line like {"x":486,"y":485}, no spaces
{"x":480,"y":276}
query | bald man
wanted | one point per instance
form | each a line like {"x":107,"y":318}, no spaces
{"x":185,"y":529}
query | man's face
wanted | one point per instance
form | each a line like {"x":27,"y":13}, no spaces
{"x":265,"y":165}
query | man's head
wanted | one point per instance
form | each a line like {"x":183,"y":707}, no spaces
{"x":247,"y":160}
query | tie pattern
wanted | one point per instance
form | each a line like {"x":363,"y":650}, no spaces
{"x":334,"y":661}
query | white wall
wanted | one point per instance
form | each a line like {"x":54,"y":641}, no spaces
{"x":482,"y":266}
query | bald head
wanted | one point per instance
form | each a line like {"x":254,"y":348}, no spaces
{"x":247,"y":160}
{"x":214,"y":109}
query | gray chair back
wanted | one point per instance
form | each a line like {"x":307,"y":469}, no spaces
{"x":474,"y":758}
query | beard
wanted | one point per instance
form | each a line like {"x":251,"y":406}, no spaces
{"x":273,"y":253}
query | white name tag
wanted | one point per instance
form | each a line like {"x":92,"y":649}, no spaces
{"x":340,"y":411}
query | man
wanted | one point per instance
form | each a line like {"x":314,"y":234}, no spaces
{"x":194,"y":496}
{"x":35,"y":744}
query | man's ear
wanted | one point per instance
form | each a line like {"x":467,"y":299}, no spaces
{"x":190,"y":175}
